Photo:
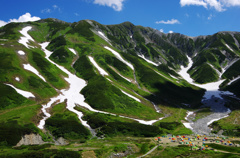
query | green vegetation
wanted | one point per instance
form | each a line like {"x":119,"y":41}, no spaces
{"x":82,"y":28}
{"x":17,"y":122}
{"x":230,"y":124}
{"x":233,"y":71}
{"x":205,"y":74}
{"x":173,"y":122}
{"x":225,"y":148}
{"x":202,"y":113}
{"x":9,"y":31}
{"x":11,"y":132}
{"x":9,"y":98}
{"x":162,"y":88}
{"x":19,"y":115}
{"x":56,"y":43}
{"x":113,"y":126}
{"x":50,"y":71}
{"x":66,"y":124}
{"x":63,"y":56}
{"x":184,"y":151}
{"x":83,"y":68}
{"x":102,"y":95}
{"x":233,"y":88}
{"x":41,"y":153}
{"x":40,"y":87}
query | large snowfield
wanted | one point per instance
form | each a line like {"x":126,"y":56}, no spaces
{"x":212,"y":91}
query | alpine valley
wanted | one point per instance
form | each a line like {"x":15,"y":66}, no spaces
{"x":85,"y":89}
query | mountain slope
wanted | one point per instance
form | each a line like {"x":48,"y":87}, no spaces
{"x":128,"y":73}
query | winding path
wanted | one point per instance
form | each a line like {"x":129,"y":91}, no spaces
{"x":149,"y":152}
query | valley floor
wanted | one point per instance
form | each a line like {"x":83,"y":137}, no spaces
{"x":134,"y":147}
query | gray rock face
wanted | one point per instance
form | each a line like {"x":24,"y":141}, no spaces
{"x":61,"y":141}
{"x":36,"y":139}
{"x":31,"y":139}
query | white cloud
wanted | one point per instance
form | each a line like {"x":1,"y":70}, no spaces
{"x":76,"y":14}
{"x":215,"y":4}
{"x":55,"y":6}
{"x":47,"y":10}
{"x":23,"y":18}
{"x":161,"y":30}
{"x":170,"y":31}
{"x":193,"y":2}
{"x":230,"y":3}
{"x":173,"y":21}
{"x":210,"y":17}
{"x":2,"y":23}
{"x":117,"y":5}
{"x":219,"y":5}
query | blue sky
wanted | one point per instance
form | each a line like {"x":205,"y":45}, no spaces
{"x":189,"y":17}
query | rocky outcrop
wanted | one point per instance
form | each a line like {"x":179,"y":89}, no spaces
{"x":31,"y":139}
{"x":36,"y":139}
{"x":129,"y":151}
{"x":61,"y":141}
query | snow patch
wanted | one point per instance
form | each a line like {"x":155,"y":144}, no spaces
{"x":188,"y":125}
{"x":71,"y":94}
{"x":212,"y":89}
{"x":173,"y":77}
{"x":183,"y":71}
{"x":17,"y":79}
{"x":46,"y":106}
{"x":219,"y":73}
{"x":73,"y":51}
{"x":33,"y":70}
{"x":26,"y":37}
{"x":26,"y":94}
{"x":147,"y":60}
{"x":102,"y":72}
{"x":20,"y":52}
{"x":235,"y":79}
{"x":109,"y":80}
{"x":119,"y":57}
{"x":103,"y":36}
{"x":138,"y":100}
{"x":229,"y":47}
{"x":230,"y":64}
{"x":188,"y":114}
